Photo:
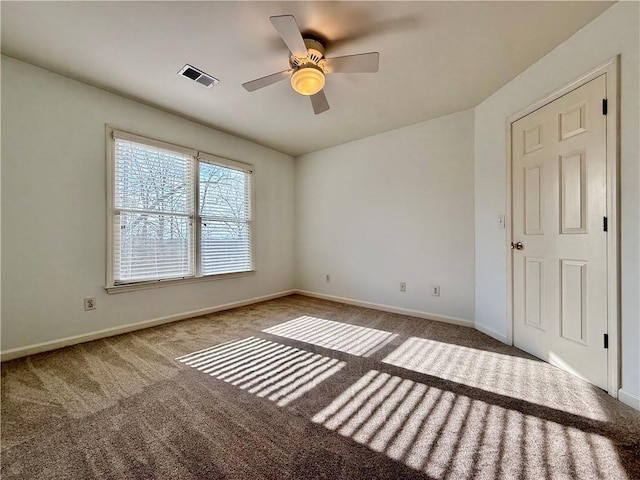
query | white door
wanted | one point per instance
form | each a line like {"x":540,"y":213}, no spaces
{"x":559,"y":204}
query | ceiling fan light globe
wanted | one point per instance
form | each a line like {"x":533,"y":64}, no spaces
{"x":307,"y":80}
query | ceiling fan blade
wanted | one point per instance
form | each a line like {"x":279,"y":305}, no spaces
{"x":288,"y":29}
{"x":364,"y":62}
{"x":266,"y":81}
{"x":319,"y":102}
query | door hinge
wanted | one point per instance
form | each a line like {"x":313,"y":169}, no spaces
{"x":604,"y":106}
{"x":605,"y":224}
{"x":606,"y":340}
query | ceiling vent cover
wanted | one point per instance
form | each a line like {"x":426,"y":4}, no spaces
{"x":198,"y":76}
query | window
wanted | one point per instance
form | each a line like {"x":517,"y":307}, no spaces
{"x":176,"y":213}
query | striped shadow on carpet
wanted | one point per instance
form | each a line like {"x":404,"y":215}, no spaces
{"x":264,"y":368}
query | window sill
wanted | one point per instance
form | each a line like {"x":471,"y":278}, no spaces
{"x":130,"y":287}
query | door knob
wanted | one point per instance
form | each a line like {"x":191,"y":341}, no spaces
{"x":517,"y":246}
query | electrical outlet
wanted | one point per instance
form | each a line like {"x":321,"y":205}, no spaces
{"x":403,"y":286}
{"x":89,"y":303}
{"x":327,"y":278}
{"x":435,"y":290}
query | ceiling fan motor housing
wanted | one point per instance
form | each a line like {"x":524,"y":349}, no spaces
{"x":315,"y":53}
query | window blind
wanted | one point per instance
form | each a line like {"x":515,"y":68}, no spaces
{"x":153,"y":212}
{"x":225,"y":216}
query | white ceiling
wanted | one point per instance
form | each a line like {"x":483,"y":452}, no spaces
{"x":435,"y":58}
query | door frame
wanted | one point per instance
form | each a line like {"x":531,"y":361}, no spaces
{"x":611,"y":70}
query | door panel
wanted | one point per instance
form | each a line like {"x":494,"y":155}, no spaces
{"x":573,"y":313}
{"x":573,"y":193}
{"x":532,"y":200}
{"x":559,"y":201}
{"x":534,"y":291}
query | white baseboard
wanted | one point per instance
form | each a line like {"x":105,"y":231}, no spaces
{"x":627,"y":398}
{"x":109,"y":332}
{"x":492,"y":333}
{"x":387,"y":308}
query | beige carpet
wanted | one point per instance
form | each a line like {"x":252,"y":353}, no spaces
{"x":303,"y":388}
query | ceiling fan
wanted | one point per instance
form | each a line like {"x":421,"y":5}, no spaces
{"x":308,"y":64}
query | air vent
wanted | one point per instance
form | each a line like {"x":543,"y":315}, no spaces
{"x":198,"y":76}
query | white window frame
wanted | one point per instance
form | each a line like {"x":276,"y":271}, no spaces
{"x":197,"y":158}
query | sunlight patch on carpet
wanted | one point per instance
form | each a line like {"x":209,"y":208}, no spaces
{"x":264,"y":368}
{"x":508,"y":375}
{"x":444,"y":434}
{"x":343,"y":337}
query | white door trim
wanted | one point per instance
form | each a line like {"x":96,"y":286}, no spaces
{"x":610,"y":69}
